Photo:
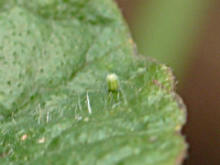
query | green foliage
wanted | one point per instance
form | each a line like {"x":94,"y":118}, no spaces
{"x":55,"y":106}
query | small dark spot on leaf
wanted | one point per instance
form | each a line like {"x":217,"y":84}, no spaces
{"x":41,"y":69}
{"x":32,"y":97}
{"x":13,"y":33}
{"x":19,"y":84}
{"x":9,"y":82}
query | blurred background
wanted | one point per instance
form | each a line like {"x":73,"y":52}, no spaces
{"x":185,"y":34}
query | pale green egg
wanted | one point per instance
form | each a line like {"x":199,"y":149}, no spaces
{"x":112,"y":82}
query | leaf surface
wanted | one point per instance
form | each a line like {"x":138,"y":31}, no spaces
{"x":55,"y":106}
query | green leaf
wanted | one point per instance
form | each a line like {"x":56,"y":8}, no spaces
{"x":55,"y":104}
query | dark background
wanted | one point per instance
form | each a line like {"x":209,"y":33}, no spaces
{"x":185,"y":35}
